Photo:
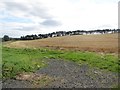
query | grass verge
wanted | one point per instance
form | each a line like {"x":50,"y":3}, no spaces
{"x":15,"y":60}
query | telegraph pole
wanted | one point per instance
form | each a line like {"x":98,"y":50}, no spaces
{"x":119,"y":15}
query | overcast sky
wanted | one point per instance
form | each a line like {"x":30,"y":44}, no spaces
{"x":22,"y":17}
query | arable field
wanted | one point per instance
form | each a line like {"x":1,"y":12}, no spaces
{"x":97,"y":43}
{"x":67,"y":58}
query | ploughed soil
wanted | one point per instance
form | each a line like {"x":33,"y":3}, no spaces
{"x":64,"y":74}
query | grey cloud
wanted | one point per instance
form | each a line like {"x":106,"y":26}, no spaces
{"x":40,"y":12}
{"x":51,"y":22}
{"x":28,"y":28}
{"x":15,"y":6}
{"x":29,"y":9}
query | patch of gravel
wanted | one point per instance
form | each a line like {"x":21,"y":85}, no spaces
{"x":11,"y":83}
{"x":70,"y":75}
{"x":75,"y":76}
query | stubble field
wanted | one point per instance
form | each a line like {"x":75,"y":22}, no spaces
{"x":97,"y":43}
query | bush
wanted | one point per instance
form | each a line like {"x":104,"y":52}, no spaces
{"x":6,"y":38}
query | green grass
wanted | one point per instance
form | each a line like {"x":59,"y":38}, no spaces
{"x":108,"y":62}
{"x":15,"y":61}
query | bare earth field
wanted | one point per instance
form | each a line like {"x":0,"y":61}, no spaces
{"x":97,"y":43}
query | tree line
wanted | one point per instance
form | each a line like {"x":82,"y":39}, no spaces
{"x":62,"y":33}
{"x":7,"y":38}
{"x":65,"y":33}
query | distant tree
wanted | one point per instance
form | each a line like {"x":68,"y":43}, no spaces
{"x":35,"y":36}
{"x":6,"y":38}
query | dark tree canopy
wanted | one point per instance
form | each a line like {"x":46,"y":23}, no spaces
{"x":6,"y":38}
{"x":66,"y":33}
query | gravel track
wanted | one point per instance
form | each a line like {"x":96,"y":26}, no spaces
{"x":70,"y":75}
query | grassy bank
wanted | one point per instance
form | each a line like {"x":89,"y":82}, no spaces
{"x":28,"y":60}
{"x":16,"y":61}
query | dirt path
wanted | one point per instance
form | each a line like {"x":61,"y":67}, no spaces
{"x":65,"y":74}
